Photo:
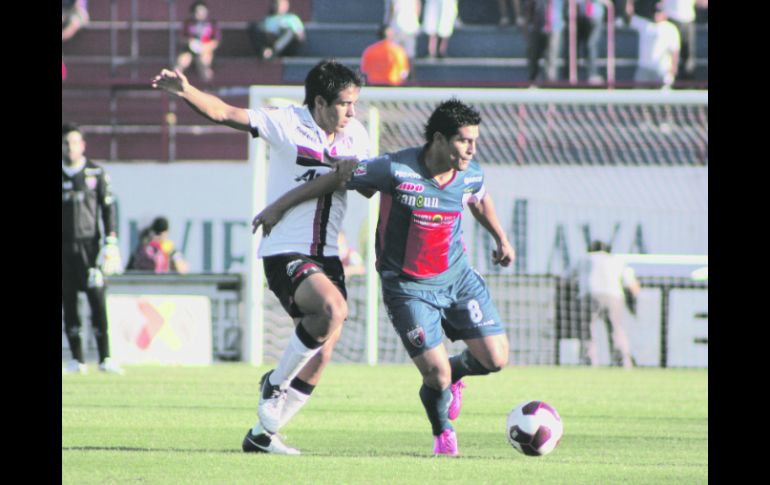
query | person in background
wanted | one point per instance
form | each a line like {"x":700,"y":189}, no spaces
{"x":439,"y":24}
{"x":403,"y":16}
{"x":681,"y":13}
{"x":543,"y":27}
{"x":74,"y":16}
{"x":658,"y":47}
{"x":385,"y":62}
{"x":505,"y":17}
{"x":201,"y":38}
{"x":156,"y":252}
{"x":86,"y":201}
{"x":279,"y":34}
{"x":602,"y":278}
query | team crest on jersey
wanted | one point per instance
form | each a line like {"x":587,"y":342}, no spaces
{"x":91,"y":182}
{"x":416,"y":336}
{"x":410,"y":187}
{"x":292,"y":267}
{"x":360,"y":169}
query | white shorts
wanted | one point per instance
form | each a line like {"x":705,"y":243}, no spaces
{"x":440,"y":16}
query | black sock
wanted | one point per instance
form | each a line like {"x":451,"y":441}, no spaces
{"x":436,"y":405}
{"x":465,"y":364}
{"x":302,"y":386}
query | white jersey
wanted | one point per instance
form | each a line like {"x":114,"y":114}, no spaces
{"x":680,"y":10}
{"x":657,"y":43}
{"x":297,"y":155}
{"x":601,"y":273}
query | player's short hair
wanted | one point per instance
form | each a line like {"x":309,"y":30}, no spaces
{"x":328,"y":78}
{"x":449,"y":117}
{"x":159,"y":225}
{"x":597,"y":246}
{"x":196,"y":4}
{"x":69,"y":127}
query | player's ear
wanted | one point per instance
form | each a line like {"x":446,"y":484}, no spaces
{"x":319,"y":101}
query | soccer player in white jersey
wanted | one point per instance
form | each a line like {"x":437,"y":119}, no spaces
{"x":300,"y":256}
{"x":428,"y":284}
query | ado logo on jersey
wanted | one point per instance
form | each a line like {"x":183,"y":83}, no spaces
{"x":410,"y":187}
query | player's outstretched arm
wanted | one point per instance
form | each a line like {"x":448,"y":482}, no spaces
{"x":484,"y":212}
{"x":208,"y":105}
{"x":324,"y":184}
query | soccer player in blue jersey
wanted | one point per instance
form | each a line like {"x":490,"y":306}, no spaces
{"x":427,"y":281}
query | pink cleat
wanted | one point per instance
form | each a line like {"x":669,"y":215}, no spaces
{"x":457,"y":399}
{"x":446,"y":443}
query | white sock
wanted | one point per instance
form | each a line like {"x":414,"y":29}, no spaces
{"x":295,"y":400}
{"x":292,"y":361}
{"x":257,"y":429}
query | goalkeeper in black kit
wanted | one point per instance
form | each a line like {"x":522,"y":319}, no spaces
{"x":85,"y":199}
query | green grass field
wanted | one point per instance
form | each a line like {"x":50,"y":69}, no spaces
{"x":365,"y":425}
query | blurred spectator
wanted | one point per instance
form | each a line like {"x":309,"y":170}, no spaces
{"x":439,"y":23}
{"x":280,"y":34}
{"x":403,"y":16}
{"x":352,"y":262}
{"x":589,"y":18}
{"x":681,"y":13}
{"x":74,"y":16}
{"x":201,"y":38}
{"x":544,"y":25}
{"x":156,"y":252}
{"x":658,"y":47}
{"x":602,"y":278}
{"x":385,"y":61}
{"x":504,"y":11}
{"x":87,"y":205}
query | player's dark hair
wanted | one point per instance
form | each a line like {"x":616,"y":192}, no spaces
{"x":449,"y":117}
{"x":328,"y":78}
{"x":69,"y":127}
{"x":196,"y":4}
{"x":160,"y":224}
{"x":599,"y":246}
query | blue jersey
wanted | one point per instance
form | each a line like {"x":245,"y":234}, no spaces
{"x":419,"y":233}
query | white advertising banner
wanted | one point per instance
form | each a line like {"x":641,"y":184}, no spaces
{"x":160,"y":329}
{"x":549,"y":213}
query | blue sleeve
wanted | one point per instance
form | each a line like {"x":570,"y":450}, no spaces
{"x":372,"y":174}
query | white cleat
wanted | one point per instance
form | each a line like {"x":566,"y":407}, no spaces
{"x":271,"y":401}
{"x":75,"y":367}
{"x":265,"y":443}
{"x":111,"y":367}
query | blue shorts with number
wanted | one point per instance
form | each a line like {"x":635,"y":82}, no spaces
{"x":463,"y":309}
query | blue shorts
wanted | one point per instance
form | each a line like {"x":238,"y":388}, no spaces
{"x":463,"y":309}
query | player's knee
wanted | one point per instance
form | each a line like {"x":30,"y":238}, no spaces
{"x":438,"y":377}
{"x":334,"y":311}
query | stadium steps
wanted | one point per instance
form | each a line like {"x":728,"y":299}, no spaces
{"x":220,"y":10}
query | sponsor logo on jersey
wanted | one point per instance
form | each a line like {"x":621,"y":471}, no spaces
{"x":418,"y":201}
{"x":410,"y":187}
{"x":292,"y":267}
{"x":434,"y":219}
{"x":416,"y":336}
{"x":471,"y":180}
{"x":407,"y":175}
{"x":93,"y":171}
{"x":91,"y":182}
{"x":360,"y":169}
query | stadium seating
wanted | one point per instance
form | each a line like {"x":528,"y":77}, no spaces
{"x":142,"y":49}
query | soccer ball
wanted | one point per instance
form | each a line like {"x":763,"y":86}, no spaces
{"x":534,"y":428}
